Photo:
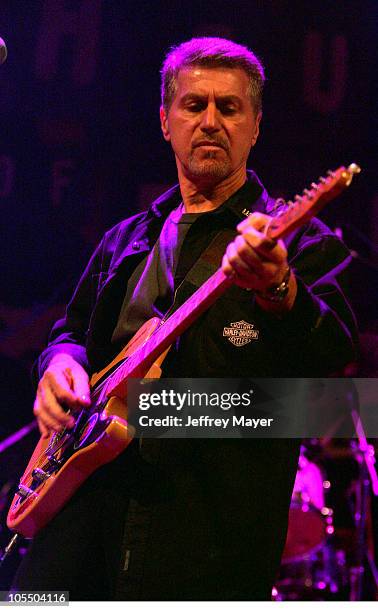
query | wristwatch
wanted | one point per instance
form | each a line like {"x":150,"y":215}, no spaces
{"x":278,"y":291}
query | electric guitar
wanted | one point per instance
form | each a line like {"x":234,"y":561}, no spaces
{"x":61,"y":463}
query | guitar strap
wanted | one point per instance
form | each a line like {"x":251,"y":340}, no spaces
{"x":208,"y":263}
{"x":138,"y":523}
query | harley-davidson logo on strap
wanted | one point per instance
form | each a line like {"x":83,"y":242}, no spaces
{"x":241,"y":333}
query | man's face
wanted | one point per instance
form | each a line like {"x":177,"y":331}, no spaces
{"x":211,"y":123}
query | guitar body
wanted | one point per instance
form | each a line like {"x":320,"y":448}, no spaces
{"x":61,"y":463}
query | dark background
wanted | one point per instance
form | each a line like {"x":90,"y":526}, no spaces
{"x":81,"y":148}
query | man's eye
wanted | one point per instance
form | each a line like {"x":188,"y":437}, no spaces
{"x":228,"y":110}
{"x":195,"y":107}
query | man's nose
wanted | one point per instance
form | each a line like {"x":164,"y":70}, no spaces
{"x":210,"y":119}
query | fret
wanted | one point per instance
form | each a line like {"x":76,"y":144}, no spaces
{"x":141,"y":355}
{"x":196,"y":300}
{"x":169,"y":324}
{"x":126,"y":367}
{"x":102,"y":394}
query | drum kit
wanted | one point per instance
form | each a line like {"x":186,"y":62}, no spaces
{"x":328,"y":553}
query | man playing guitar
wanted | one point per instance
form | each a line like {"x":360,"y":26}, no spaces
{"x":191,"y":519}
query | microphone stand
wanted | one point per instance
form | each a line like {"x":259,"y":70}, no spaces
{"x":364,"y":455}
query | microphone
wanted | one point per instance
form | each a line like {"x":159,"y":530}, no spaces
{"x":3,"y":51}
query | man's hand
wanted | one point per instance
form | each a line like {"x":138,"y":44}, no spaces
{"x":64,"y":383}
{"x":255,"y":262}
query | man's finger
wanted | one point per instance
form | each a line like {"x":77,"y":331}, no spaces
{"x":45,"y":432}
{"x":47,"y":422}
{"x":268,"y":249}
{"x":52,"y":409}
{"x":256,"y":220}
{"x":81,"y":390}
{"x":58,"y":385}
{"x":248,"y":254}
{"x":235,"y":261}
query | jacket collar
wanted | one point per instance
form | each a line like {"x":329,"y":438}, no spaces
{"x":252,"y":192}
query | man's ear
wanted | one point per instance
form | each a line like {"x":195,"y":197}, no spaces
{"x":257,"y":129}
{"x":164,"y":124}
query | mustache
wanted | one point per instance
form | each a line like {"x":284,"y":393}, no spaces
{"x":219,"y":142}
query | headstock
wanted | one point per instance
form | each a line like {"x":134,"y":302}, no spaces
{"x":305,"y":206}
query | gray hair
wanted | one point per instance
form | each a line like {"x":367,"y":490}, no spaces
{"x":211,"y":53}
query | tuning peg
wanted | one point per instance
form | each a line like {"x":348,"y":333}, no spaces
{"x":298,"y":198}
{"x":354,"y":168}
{"x":322,"y":179}
{"x":308,"y":193}
{"x":290,"y":203}
{"x":331,"y":173}
{"x":315,"y":186}
{"x":350,"y":172}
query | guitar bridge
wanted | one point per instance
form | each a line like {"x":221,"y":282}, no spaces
{"x":40,"y":474}
{"x":24,"y":491}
